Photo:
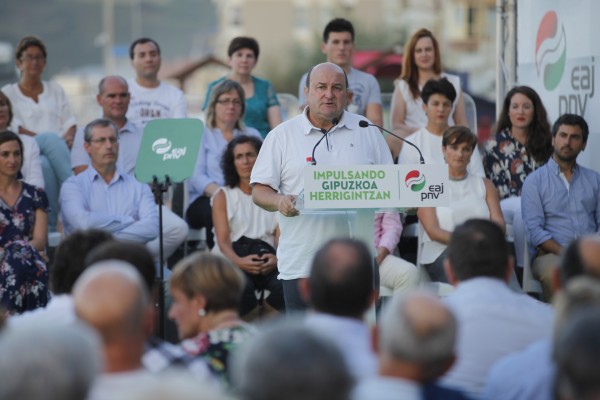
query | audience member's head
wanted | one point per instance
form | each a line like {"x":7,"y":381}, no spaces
{"x":577,"y":356}
{"x":50,"y":362}
{"x":338,"y":25}
{"x":69,"y":258}
{"x":27,"y":42}
{"x":290,"y":362}
{"x":571,"y":120}
{"x":242,"y":42}
{"x":418,"y":333}
{"x":229,"y":88}
{"x":477,"y":248}
{"x":5,"y":102}
{"x":133,"y":253}
{"x":141,"y":41}
{"x":580,"y":257}
{"x":440,"y":86}
{"x":202,"y":285}
{"x":579,"y":293}
{"x":341,"y":279}
{"x":112,"y":298}
{"x":458,"y":134}
{"x":230,"y":174}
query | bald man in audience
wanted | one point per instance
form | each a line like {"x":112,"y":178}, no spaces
{"x":415,"y":344}
{"x":112,"y":298}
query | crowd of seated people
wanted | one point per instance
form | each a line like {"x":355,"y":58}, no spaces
{"x":98,"y":294}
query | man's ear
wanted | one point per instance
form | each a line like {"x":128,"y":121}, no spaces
{"x":450,"y":273}
{"x":509,"y":269}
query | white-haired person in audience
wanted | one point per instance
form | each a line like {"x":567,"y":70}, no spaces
{"x":53,"y":362}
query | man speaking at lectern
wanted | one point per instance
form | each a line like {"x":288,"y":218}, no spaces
{"x":277,"y":177}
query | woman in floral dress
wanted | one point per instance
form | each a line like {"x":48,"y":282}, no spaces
{"x":23,"y":231}
{"x":523,"y":143}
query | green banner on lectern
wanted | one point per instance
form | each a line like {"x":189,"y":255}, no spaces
{"x":169,"y":147}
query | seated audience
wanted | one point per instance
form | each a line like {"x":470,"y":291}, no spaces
{"x":263,"y":112}
{"x":560,"y":200}
{"x":207,"y":290}
{"x":471,"y":196}
{"x":41,"y":110}
{"x":289,"y":361}
{"x":521,"y":145}
{"x":49,"y":362}
{"x":339,"y":291}
{"x":493,"y":320}
{"x":159,"y":355}
{"x":224,"y":116}
{"x":114,"y":99}
{"x":532,"y":370}
{"x":415,"y":344}
{"x":23,"y":228}
{"x":247,"y":234}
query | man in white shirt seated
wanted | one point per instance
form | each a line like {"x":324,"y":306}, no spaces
{"x":339,"y":291}
{"x":493,"y":320}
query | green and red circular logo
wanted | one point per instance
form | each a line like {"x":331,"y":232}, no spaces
{"x":550,"y":50}
{"x":415,"y":181}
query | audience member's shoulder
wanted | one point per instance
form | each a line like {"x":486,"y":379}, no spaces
{"x":170,"y":88}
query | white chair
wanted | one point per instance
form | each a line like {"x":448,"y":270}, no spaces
{"x":471,"y":111}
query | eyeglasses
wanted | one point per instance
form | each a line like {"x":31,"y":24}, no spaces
{"x":27,"y":57}
{"x":228,"y":102}
{"x":103,"y":140}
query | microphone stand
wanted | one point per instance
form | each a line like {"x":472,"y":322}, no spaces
{"x":365,"y":124}
{"x":334,"y":121}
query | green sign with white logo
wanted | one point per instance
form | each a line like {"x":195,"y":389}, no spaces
{"x":169,"y":148}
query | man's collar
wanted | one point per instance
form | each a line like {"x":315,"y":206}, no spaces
{"x":308,"y":126}
{"x":554,"y":167}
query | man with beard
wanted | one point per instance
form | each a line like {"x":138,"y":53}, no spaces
{"x":560,"y":200}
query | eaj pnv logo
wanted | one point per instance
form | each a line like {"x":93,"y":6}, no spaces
{"x":163,"y":147}
{"x":415,"y":181}
{"x":550,"y":50}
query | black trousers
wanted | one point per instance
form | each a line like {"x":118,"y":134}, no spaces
{"x":199,"y":215}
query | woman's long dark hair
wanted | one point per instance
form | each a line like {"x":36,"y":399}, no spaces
{"x":230,"y":175}
{"x":539,"y":138}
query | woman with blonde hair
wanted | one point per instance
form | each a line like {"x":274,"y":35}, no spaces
{"x":207,"y":291}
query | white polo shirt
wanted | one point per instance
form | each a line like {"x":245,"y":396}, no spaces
{"x":280,"y":165}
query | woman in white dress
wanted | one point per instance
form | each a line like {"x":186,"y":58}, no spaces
{"x":245,"y":233}
{"x":471,"y":196}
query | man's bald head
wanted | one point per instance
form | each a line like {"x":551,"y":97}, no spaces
{"x":111,"y":297}
{"x":417,"y":328}
{"x":326,"y":66}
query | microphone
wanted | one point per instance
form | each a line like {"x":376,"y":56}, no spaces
{"x":324,"y":132}
{"x":365,"y":124}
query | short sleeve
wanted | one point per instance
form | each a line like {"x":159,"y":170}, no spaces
{"x":40,"y":200}
{"x":271,"y":96}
